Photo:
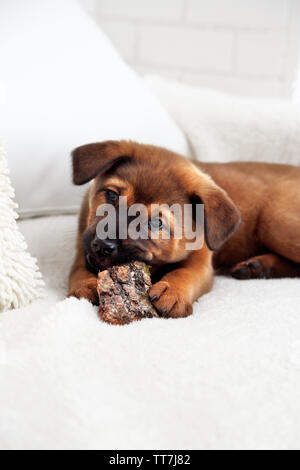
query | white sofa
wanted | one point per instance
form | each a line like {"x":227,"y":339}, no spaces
{"x":228,"y":377}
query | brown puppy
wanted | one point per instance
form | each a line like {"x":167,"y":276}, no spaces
{"x":265,"y":244}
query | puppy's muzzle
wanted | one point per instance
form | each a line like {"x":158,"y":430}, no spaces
{"x":104,"y":247}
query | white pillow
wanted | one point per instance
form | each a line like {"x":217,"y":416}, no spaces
{"x":226,"y":128}
{"x":64,"y":85}
{"x":20,"y":280}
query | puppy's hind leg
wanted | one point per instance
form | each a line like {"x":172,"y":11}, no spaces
{"x":268,"y":266}
{"x":278,"y":230}
{"x":279,"y":223}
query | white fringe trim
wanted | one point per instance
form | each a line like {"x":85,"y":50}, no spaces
{"x":20,"y":279}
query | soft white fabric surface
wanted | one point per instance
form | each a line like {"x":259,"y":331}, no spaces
{"x":20,"y":279}
{"x":226,"y":128}
{"x":227,"y":377}
{"x":62,"y":84}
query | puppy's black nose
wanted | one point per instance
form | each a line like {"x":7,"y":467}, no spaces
{"x":104,"y":247}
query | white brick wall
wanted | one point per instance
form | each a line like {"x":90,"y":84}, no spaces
{"x":260,"y":54}
{"x":242,"y":46}
{"x":262,"y":14}
{"x":185,"y":48}
{"x":149,"y":10}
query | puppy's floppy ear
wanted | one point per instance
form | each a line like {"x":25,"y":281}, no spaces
{"x":221,"y":216}
{"x":90,"y":160}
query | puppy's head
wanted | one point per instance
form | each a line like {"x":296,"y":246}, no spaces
{"x":155,"y":179}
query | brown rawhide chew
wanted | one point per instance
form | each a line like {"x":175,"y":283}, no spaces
{"x":124,"y":294}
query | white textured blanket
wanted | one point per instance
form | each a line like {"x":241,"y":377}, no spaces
{"x":227,"y":377}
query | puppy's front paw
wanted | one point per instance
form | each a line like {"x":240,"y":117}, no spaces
{"x":169,"y":301}
{"x":86,"y":290}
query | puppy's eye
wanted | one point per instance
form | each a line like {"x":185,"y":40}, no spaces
{"x":155,"y":225}
{"x":111,"y":196}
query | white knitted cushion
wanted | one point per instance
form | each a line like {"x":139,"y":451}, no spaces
{"x":20,"y":279}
